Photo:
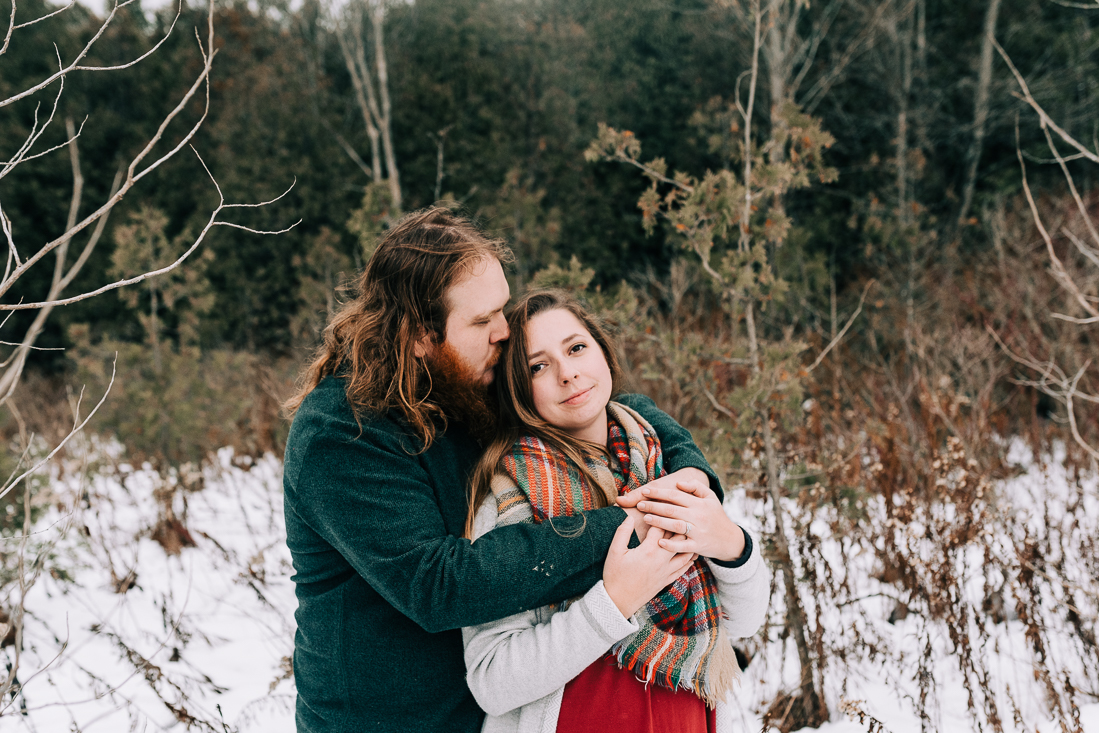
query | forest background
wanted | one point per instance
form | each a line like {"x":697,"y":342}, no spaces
{"x":904,"y":284}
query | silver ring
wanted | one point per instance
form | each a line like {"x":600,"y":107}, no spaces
{"x":687,"y":531}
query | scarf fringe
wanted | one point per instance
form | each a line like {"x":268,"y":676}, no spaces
{"x":712,"y":675}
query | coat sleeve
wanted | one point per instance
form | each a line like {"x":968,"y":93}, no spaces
{"x":368,"y":499}
{"x":676,"y":442}
{"x":517,"y":660}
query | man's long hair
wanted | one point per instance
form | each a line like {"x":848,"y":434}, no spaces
{"x":515,"y":395}
{"x":399,"y":298}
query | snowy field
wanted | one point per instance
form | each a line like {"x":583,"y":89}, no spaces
{"x":122,"y":636}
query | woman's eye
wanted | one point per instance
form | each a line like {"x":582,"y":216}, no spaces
{"x":535,"y":368}
{"x":577,"y":348}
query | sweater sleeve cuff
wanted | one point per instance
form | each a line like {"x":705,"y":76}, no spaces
{"x":738,"y":570}
{"x":604,"y":616}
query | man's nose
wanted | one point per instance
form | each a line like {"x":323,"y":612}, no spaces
{"x":500,"y":331}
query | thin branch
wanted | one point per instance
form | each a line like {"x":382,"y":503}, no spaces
{"x":168,"y":268}
{"x":46,"y":152}
{"x":353,"y":155}
{"x":35,"y":133}
{"x":47,"y":15}
{"x":1050,"y":374}
{"x":35,"y":348}
{"x":11,"y":29}
{"x":1046,"y":120}
{"x":1076,"y":198}
{"x":1049,"y":161}
{"x":131,"y":177}
{"x":1079,"y":321}
{"x":76,"y":429}
{"x":13,"y":253}
{"x":1058,"y":267}
{"x":94,"y":239}
{"x":1085,"y":250}
{"x":839,"y":336}
{"x":1069,"y":395}
{"x":717,"y":405}
{"x":75,"y":65}
{"x":747,"y":114}
{"x":622,"y":158}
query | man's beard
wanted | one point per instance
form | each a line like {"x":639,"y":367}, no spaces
{"x":460,"y":394}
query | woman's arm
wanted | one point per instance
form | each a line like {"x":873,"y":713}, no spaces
{"x":516,"y":660}
{"x":744,"y":588}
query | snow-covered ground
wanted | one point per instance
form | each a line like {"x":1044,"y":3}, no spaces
{"x":199,"y":635}
{"x":202,"y":637}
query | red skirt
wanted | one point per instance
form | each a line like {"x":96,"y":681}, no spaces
{"x":606,"y":699}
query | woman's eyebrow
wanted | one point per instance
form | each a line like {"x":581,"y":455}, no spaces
{"x":563,"y":341}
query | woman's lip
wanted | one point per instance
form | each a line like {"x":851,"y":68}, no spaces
{"x":572,"y":400}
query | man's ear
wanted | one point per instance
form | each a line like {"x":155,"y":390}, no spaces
{"x":424,"y":346}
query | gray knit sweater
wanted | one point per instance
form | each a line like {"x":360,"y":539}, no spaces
{"x":517,"y":667}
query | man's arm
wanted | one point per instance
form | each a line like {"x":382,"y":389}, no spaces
{"x":375,"y":504}
{"x":676,"y":442}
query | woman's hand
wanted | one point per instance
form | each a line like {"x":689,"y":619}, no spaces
{"x":640,"y":526}
{"x":633,"y":577}
{"x":692,"y":511}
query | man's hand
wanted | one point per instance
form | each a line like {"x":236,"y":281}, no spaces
{"x":691,"y":510}
{"x":670,"y":481}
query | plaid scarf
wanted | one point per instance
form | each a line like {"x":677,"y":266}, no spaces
{"x":681,"y":643}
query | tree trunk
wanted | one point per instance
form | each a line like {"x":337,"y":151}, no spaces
{"x":385,"y":125}
{"x":796,"y":619}
{"x":980,"y":110}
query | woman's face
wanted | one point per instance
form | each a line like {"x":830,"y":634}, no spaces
{"x":570,"y":379}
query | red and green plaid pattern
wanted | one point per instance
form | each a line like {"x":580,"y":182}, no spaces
{"x":551,"y":482}
{"x":681,"y":640}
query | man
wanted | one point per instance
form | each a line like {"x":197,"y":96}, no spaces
{"x":375,"y":479}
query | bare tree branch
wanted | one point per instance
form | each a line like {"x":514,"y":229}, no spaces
{"x":1046,"y":120}
{"x":1058,"y":267}
{"x":211,"y":223}
{"x":131,"y":178}
{"x":1070,"y":394}
{"x":75,"y":65}
{"x":839,"y":337}
{"x":76,"y":429}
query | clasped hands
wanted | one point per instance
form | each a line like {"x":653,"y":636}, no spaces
{"x":686,"y":520}
{"x":684,"y":507}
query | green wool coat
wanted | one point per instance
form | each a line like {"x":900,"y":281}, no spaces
{"x":384,"y":579}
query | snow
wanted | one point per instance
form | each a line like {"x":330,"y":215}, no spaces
{"x":204,"y":634}
{"x":226,"y":605}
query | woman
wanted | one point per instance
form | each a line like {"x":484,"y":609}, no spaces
{"x":564,"y":447}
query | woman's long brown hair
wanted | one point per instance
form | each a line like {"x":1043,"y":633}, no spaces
{"x":515,"y":395}
{"x":400,"y":298}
